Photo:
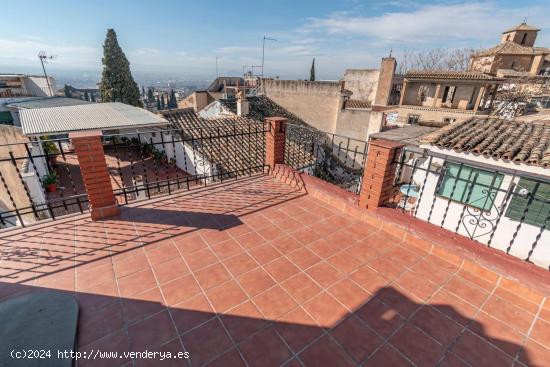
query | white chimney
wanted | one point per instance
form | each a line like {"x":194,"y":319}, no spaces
{"x":242,"y":104}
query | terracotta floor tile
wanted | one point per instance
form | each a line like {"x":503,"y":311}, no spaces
{"x":200,"y":259}
{"x":161,"y":254}
{"x":323,"y":248}
{"x":255,"y":281}
{"x":380,"y":317}
{"x":398,"y":301}
{"x":212,"y":276}
{"x":417,"y":285}
{"x":169,"y":270}
{"x":232,"y":358}
{"x":356,"y":339}
{"x":298,"y":329}
{"x":286,"y":244}
{"x":517,"y":300}
{"x":214,"y":236}
{"x":264,"y":253}
{"x":117,"y":342}
{"x":344,"y":261}
{"x":342,"y":238}
{"x":535,"y":354}
{"x":142,"y":305}
{"x":250,"y":240}
{"x":227,"y":249}
{"x":452,"y":360}
{"x":405,"y":257}
{"x":325,"y":352}
{"x":95,"y":325}
{"x":270,"y":232}
{"x":349,"y":294}
{"x":301,"y":287}
{"x":541,"y":332}
{"x":240,"y":264}
{"x":190,"y":244}
{"x":130,"y":265}
{"x":180,"y":289}
{"x":273,"y":352}
{"x":437,"y":325}
{"x":388,"y":268}
{"x":206,"y":342}
{"x":151,"y":332}
{"x":137,"y":282}
{"x":477,"y":352}
{"x":226,"y":296}
{"x":388,"y":357}
{"x":303,"y":258}
{"x":325,"y":310}
{"x":281,"y":269}
{"x":507,"y":312}
{"x":239,"y":230}
{"x":369,"y":279}
{"x":191,"y":313}
{"x":454,"y":307}
{"x":480,"y":282}
{"x":274,"y":303}
{"x":466,"y":291}
{"x":305,"y":235}
{"x":174,"y":347}
{"x":417,"y":346}
{"x":243,"y":321}
{"x":497,"y":333}
{"x":324,"y":274}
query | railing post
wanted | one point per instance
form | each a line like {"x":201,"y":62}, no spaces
{"x":379,"y":173}
{"x":93,"y":166}
{"x":275,"y":141}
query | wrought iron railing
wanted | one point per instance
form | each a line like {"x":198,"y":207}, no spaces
{"x":39,"y":180}
{"x":493,"y":204}
{"x":334,"y":158}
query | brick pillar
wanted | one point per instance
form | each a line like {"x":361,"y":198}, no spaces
{"x":379,"y":173}
{"x":91,"y":159}
{"x":275,"y":141}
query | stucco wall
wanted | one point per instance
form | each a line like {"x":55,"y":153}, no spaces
{"x":362,"y":82}
{"x":317,"y":103}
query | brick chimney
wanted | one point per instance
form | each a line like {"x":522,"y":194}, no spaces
{"x":383,"y":90}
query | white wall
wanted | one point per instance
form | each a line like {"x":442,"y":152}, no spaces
{"x":504,"y":231}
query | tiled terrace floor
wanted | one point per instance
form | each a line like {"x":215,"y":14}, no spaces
{"x":255,"y":273}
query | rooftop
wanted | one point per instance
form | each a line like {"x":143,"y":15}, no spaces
{"x":92,"y":116}
{"x":466,"y":75}
{"x":256,"y":272}
{"x":520,"y":142}
{"x":48,"y":102}
{"x":522,"y":27}
{"x":409,"y":135}
{"x":512,"y":48}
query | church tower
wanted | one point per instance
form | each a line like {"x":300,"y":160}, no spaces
{"x":522,"y":34}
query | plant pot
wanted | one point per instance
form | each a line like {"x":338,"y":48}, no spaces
{"x":53,"y":161}
{"x":51,"y":187}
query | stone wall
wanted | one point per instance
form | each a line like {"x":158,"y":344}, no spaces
{"x":362,"y":82}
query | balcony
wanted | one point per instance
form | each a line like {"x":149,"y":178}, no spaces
{"x":279,"y":268}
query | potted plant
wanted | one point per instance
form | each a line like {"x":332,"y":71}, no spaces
{"x":51,"y":149}
{"x":50,"y":182}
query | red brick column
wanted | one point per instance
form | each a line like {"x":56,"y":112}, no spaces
{"x":275,"y":141}
{"x":377,"y":184}
{"x":91,"y":159}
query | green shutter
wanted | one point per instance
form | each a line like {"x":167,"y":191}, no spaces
{"x":539,"y":209}
{"x":468,"y":185}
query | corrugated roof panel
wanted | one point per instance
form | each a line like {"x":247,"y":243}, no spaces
{"x":93,"y":116}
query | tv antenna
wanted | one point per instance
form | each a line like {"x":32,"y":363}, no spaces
{"x":263,"y":51}
{"x":44,"y":60}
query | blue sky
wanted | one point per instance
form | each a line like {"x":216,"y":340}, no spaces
{"x":182,"y":38}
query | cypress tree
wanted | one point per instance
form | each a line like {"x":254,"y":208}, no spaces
{"x":158,"y":104}
{"x":172,"y":102}
{"x":92,"y":97}
{"x":86,"y":96}
{"x":162,"y":104}
{"x":312,"y":71}
{"x":117,"y":83}
{"x":150,"y":95}
{"x":67,"y":91}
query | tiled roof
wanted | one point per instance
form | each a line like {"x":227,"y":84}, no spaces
{"x":512,"y":48}
{"x":470,"y":75}
{"x":357,"y":103}
{"x":522,"y":27}
{"x":232,"y":143}
{"x":519,"y":142}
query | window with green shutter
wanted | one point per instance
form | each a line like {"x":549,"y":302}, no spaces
{"x":533,"y":194}
{"x":471,"y":186}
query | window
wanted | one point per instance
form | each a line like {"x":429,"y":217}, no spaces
{"x":449,"y":120}
{"x":413,"y":119}
{"x":6,"y":118}
{"x":471,"y":186}
{"x":539,"y":209}
{"x":449,"y":94}
{"x":524,"y":38}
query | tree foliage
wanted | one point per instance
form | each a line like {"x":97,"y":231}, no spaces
{"x":67,"y":91}
{"x":172,"y":101}
{"x":150,"y":95}
{"x":436,"y":59}
{"x":117,"y":83}
{"x":312,"y":71}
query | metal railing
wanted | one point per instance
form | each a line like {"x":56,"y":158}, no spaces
{"x":492,"y":204}
{"x":334,"y":158}
{"x":39,"y":180}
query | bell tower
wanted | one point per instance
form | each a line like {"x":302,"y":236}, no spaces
{"x":523,"y":34}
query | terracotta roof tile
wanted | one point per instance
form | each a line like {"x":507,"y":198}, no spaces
{"x":357,"y":103}
{"x":519,"y":142}
{"x":522,"y":27}
{"x":512,"y":48}
{"x":471,"y":75}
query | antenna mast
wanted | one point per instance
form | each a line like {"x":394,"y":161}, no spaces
{"x":44,"y":59}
